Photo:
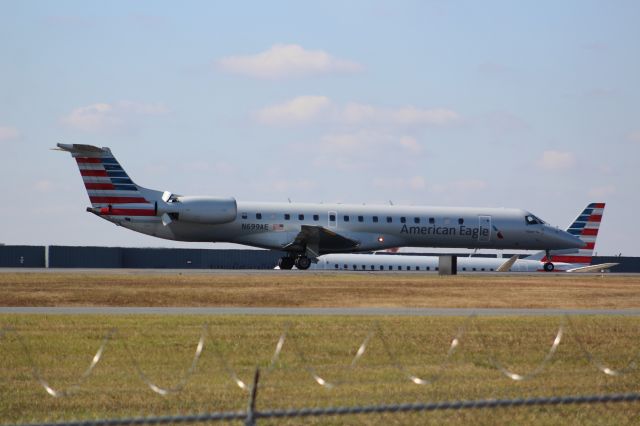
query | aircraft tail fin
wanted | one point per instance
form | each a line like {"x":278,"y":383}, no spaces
{"x":585,"y":227}
{"x":110,"y":189}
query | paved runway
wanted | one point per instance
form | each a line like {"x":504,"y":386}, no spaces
{"x":405,"y":312}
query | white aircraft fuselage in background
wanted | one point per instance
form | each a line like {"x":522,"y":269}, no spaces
{"x":305,"y":231}
{"x":392,"y":262}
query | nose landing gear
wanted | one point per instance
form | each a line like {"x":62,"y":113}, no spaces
{"x":548,"y":267}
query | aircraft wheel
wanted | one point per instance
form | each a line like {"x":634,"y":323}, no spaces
{"x":303,"y":262}
{"x":285,"y":262}
{"x":548,"y":267}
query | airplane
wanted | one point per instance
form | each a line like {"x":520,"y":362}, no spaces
{"x":304,"y":231}
{"x":585,"y":226}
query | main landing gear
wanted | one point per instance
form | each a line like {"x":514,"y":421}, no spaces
{"x":548,"y":267}
{"x":301,"y":262}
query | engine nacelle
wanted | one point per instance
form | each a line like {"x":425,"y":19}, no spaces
{"x":208,"y":210}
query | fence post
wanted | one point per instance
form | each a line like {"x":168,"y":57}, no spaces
{"x":251,"y":420}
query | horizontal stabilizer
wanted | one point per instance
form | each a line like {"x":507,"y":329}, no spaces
{"x":593,"y":268}
{"x":508,"y":264}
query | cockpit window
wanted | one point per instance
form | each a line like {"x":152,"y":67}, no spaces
{"x":532,"y":220}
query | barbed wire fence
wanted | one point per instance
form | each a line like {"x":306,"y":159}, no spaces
{"x":403,"y":373}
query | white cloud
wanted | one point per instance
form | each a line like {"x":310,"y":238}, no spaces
{"x":306,"y":109}
{"x":463,"y":185}
{"x":634,"y":136}
{"x":104,"y":117}
{"x":302,"y":109}
{"x":417,"y":116}
{"x":410,"y":144}
{"x":285,"y":60}
{"x":43,"y":185}
{"x":556,"y":160}
{"x":415,"y":183}
{"x":602,"y":191}
{"x":368,"y":141}
{"x":8,"y":133}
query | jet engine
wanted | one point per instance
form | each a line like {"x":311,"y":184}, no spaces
{"x":196,"y":209}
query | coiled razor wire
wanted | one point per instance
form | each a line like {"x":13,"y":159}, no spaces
{"x":533,"y":373}
{"x":230,"y":370}
{"x":376,"y":330}
{"x":37,"y":375}
{"x":455,"y":342}
{"x":598,"y":363}
{"x":182,"y":382}
{"x":356,"y":410}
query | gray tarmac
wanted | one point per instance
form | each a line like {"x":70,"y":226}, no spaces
{"x":373,"y":311}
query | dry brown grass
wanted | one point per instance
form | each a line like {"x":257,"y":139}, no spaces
{"x":307,"y":289}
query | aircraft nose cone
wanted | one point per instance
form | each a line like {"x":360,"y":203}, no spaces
{"x":565,"y":240}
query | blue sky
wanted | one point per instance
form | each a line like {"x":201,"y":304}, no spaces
{"x":532,"y":105}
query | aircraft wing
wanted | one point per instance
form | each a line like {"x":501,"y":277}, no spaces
{"x":508,"y":264}
{"x":593,"y":268}
{"x":316,"y":240}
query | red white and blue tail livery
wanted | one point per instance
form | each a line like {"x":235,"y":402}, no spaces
{"x":111,"y":191}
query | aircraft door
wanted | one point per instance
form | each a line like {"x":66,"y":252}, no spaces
{"x":333,"y":220}
{"x":484,"y":225}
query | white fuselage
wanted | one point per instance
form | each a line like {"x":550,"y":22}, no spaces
{"x":417,"y":263}
{"x":374,"y":227}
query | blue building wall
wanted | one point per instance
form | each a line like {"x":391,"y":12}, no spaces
{"x":22,"y":256}
{"x":159,"y":258}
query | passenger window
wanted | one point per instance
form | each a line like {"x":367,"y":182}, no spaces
{"x":416,"y":220}
{"x":417,"y":268}
{"x":375,"y":219}
{"x":473,"y":269}
{"x":464,"y":269}
{"x":408,"y":268}
{"x":335,"y":266}
{"x":390,"y":267}
{"x":381,"y":267}
{"x":244,"y":215}
{"x":355,"y":267}
{"x":428,"y":268}
{"x":316,"y":217}
{"x":389,"y":219}
{"x":287,"y":216}
{"x":364,"y":267}
{"x":403,"y":219}
{"x":346,"y":218}
{"x":360,"y":218}
{"x":436,"y":268}
{"x":300,"y":217}
{"x":399,"y":268}
{"x":432,"y":220}
{"x":482,"y":269}
{"x":460,"y":221}
{"x":346,"y":267}
{"x":332,"y":217}
{"x":258,"y":215}
{"x":373,"y":267}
